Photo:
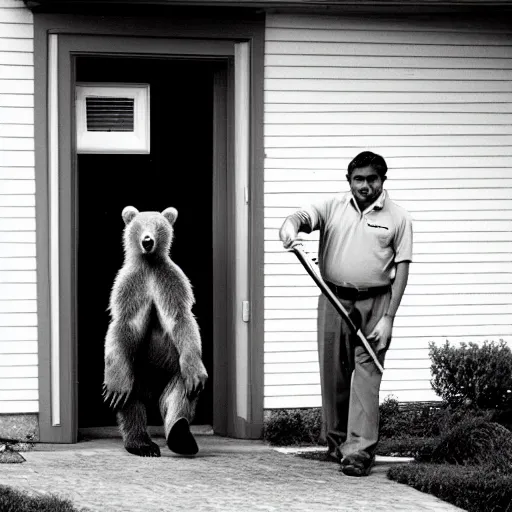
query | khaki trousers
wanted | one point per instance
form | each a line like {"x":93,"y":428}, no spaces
{"x":350,"y":381}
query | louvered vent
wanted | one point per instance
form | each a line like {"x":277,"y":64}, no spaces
{"x":112,"y":118}
{"x":110,"y":114}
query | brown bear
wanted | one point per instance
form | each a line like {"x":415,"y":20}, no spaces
{"x":152,"y":346}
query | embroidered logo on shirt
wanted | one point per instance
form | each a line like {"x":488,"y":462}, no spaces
{"x":376,"y":226}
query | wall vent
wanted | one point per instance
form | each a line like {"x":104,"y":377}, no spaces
{"x":110,"y":114}
{"x":112,"y":118}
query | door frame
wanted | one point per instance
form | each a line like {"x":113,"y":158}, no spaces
{"x":238,"y":167}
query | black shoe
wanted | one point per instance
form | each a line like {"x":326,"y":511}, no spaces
{"x":180,"y":440}
{"x":357,"y":464}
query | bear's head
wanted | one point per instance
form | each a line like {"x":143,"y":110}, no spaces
{"x":148,"y":233}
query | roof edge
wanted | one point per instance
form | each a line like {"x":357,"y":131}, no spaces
{"x":317,"y":6}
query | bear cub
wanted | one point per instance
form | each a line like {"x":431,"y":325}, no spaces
{"x":153,"y":345}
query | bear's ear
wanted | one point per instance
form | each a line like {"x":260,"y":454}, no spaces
{"x":128,"y":213}
{"x":171,"y":214}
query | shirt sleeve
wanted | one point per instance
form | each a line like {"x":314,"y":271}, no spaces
{"x":403,"y":240}
{"x":317,"y":213}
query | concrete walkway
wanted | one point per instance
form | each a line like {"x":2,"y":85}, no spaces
{"x":227,"y":475}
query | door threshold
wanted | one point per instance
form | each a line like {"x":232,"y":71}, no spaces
{"x":154,"y":431}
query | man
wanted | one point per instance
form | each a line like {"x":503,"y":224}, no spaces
{"x":364,"y":255}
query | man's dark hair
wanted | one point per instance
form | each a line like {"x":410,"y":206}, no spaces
{"x":367,"y":158}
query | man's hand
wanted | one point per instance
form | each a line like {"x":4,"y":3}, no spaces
{"x":288,"y":234}
{"x":382,"y":333}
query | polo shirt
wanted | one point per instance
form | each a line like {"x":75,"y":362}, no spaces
{"x":360,"y":248}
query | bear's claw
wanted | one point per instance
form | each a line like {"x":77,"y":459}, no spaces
{"x":151,"y":450}
{"x":115,"y":399}
{"x":195,"y":383}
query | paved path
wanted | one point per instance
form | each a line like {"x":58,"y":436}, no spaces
{"x":227,"y":475}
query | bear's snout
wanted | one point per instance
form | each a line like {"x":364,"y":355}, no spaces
{"x":148,"y":243}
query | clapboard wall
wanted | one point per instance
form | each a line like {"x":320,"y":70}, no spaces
{"x":435,"y":99}
{"x":18,"y":305}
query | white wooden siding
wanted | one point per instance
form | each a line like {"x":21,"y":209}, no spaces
{"x":18,"y":300}
{"x":435,"y":99}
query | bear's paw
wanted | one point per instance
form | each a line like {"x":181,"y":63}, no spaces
{"x":195,"y":378}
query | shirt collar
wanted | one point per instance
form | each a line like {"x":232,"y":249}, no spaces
{"x":378,"y":204}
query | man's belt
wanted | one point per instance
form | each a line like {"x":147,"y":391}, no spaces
{"x":348,"y":293}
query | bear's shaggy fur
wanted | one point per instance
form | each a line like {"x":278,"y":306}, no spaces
{"x":152,"y":346}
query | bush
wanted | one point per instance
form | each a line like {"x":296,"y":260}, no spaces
{"x":12,"y":500}
{"x":430,"y":419}
{"x":421,"y":448}
{"x":393,"y":423}
{"x":293,"y":426}
{"x":410,"y":420}
{"x":475,"y":441}
{"x":467,"y":487}
{"x":452,"y":416}
{"x":303,"y":426}
{"x":469,"y":374}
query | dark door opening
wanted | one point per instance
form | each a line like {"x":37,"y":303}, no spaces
{"x":177,"y":172}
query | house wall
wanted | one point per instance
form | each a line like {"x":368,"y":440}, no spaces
{"x":18,"y":305}
{"x":434,"y":97}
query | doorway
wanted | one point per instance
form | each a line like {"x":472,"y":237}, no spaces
{"x":177,"y":172}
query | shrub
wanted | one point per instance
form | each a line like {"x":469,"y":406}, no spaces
{"x":12,"y":500}
{"x":503,"y":417}
{"x":452,"y":416}
{"x":312,"y":425}
{"x":10,"y":457}
{"x":409,"y":420}
{"x":293,"y":426}
{"x":467,"y":487}
{"x":392,"y":422}
{"x":469,"y":374}
{"x":475,"y":441}
{"x":303,"y":426}
{"x":421,"y":448}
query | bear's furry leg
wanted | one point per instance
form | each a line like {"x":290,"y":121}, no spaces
{"x":132,"y":422}
{"x":177,"y":412}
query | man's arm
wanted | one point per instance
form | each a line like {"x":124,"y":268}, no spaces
{"x":382,"y":331}
{"x":298,"y":221}
{"x":398,"y":288}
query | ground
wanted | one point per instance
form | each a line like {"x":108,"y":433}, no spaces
{"x":227,"y":475}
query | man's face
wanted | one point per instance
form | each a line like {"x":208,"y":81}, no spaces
{"x":366,"y":185}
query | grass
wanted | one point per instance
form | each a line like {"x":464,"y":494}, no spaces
{"x":470,"y":466}
{"x":12,"y":500}
{"x":418,"y":447}
{"x":471,"y":488}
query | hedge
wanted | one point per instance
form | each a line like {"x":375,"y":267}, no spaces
{"x":12,"y":500}
{"x":471,"y":374}
{"x":469,"y":487}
